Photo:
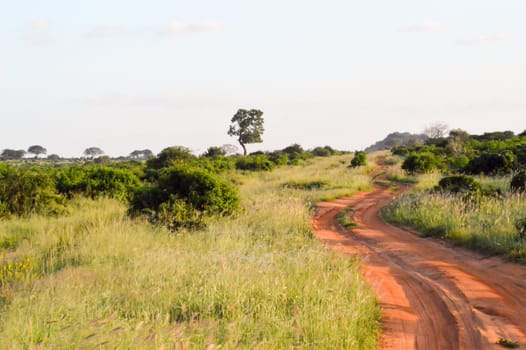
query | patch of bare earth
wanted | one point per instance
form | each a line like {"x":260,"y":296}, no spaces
{"x":432,"y":295}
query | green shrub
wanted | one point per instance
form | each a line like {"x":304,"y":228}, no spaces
{"x":170,"y":156}
{"x":459,"y":184}
{"x":458,"y":163}
{"x":323,"y":151}
{"x":96,"y":182}
{"x":216,"y":164}
{"x":183,"y":196}
{"x":359,"y":159}
{"x":421,"y":163}
{"x":491,"y":164}
{"x":254,"y":163}
{"x":176,"y":213}
{"x":518,"y":182}
{"x":279,"y":158}
{"x":28,"y":191}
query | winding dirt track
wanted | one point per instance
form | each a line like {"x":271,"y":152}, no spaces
{"x":433,"y":296}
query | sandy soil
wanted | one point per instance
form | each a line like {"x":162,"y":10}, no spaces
{"x":432,"y":295}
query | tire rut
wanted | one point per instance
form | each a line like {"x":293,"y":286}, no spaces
{"x":433,"y":296}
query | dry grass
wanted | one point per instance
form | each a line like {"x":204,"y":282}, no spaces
{"x":96,"y":279}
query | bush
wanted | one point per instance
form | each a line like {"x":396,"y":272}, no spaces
{"x":28,"y":191}
{"x":421,"y":163}
{"x":96,"y":182}
{"x":518,"y":182}
{"x":359,"y":159}
{"x":323,"y":151}
{"x":491,"y":164}
{"x":279,"y":158}
{"x":459,"y":184}
{"x":254,"y":163}
{"x":296,"y":154}
{"x":170,"y":156}
{"x":183,"y":196}
{"x":458,"y":163}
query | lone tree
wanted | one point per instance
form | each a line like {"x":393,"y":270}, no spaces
{"x":436,"y":130}
{"x":36,"y":150}
{"x":93,"y":152}
{"x":247,"y":125}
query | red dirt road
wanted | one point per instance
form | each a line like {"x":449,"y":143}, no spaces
{"x":433,"y":296}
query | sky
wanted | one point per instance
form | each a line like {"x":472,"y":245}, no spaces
{"x":133,"y":74}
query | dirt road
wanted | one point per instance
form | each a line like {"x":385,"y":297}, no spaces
{"x":433,"y":296}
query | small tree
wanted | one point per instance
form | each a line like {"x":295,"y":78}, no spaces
{"x":53,"y":157}
{"x":11,"y":154}
{"x":247,"y":125}
{"x":36,"y":150}
{"x":436,"y":130}
{"x":93,"y":152}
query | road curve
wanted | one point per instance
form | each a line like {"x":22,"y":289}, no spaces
{"x":432,"y":295}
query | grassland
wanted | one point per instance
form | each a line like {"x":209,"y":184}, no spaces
{"x":96,"y":279}
{"x":483,"y":223}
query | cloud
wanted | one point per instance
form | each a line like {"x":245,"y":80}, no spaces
{"x":180,"y":28}
{"x":424,"y":27}
{"x":37,"y":32}
{"x":107,"y":32}
{"x":487,"y":40}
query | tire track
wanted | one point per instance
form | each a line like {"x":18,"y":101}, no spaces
{"x":433,"y":296}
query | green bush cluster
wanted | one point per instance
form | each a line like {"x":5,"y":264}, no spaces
{"x":258,"y":162}
{"x":28,"y":191}
{"x":495,"y":153}
{"x":420,"y":163}
{"x":96,"y":181}
{"x":518,"y":182}
{"x":183,"y":196}
{"x":41,"y":190}
{"x":459,"y":184}
{"x":359,"y":159}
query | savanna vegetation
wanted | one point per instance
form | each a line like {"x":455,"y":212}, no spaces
{"x":471,"y":191}
{"x":179,"y":251}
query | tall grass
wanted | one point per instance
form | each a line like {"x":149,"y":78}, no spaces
{"x":486,"y":224}
{"x":96,"y":279}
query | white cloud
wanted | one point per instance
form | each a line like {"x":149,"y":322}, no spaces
{"x":179,"y":28}
{"x":37,"y":32}
{"x":424,"y":27}
{"x":487,"y":40}
{"x":107,"y":32}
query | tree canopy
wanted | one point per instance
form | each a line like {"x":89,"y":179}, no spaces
{"x":93,"y":152}
{"x":247,"y":126}
{"x":11,"y":154}
{"x":144,"y":154}
{"x":36,"y":150}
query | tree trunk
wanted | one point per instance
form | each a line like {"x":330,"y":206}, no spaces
{"x":244,"y":149}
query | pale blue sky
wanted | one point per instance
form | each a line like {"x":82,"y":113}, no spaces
{"x":130,"y":74}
